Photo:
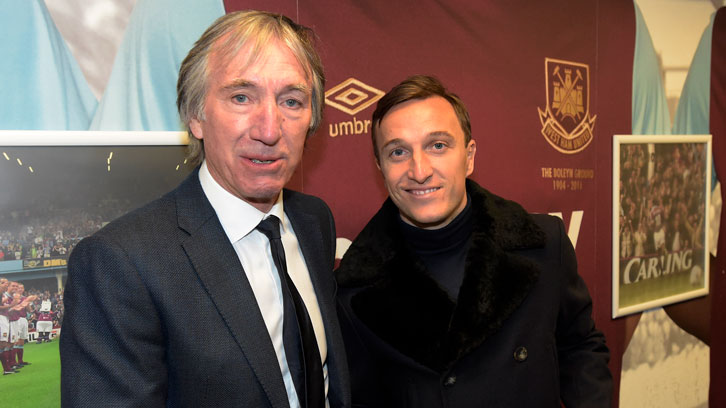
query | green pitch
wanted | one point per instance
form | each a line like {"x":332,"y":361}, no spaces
{"x":36,"y":385}
{"x":652,"y":289}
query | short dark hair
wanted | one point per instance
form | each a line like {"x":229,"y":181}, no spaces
{"x":418,"y":87}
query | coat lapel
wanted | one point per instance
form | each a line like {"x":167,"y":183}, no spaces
{"x":220,"y":272}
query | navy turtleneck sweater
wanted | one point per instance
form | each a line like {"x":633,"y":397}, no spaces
{"x":443,"y":250}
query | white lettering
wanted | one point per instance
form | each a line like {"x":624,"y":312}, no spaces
{"x":354,"y":127}
{"x":658,"y":266}
{"x":626,"y":274}
{"x":653,"y":268}
{"x":341,"y":247}
{"x":573,"y":230}
{"x":641,"y":272}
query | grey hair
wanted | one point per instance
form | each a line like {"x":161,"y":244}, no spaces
{"x":234,"y":31}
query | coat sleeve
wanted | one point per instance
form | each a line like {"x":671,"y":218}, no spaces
{"x":111,"y":346}
{"x":585,"y":379}
{"x":340,"y":395}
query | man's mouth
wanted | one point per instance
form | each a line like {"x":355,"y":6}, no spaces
{"x":423,"y":192}
{"x":258,"y":161}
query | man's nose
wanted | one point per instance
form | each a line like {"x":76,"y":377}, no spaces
{"x":420,"y":167}
{"x":267,"y":126}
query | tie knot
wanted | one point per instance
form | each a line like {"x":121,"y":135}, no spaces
{"x":270,"y":226}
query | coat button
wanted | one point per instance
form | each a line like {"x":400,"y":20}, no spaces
{"x":520,"y":354}
{"x":450,"y":381}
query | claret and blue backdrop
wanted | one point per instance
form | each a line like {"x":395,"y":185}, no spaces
{"x":548,"y":84}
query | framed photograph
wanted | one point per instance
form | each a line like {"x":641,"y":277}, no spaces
{"x":57,"y":187}
{"x":661,"y":196}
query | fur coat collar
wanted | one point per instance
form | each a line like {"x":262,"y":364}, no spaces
{"x":399,"y":302}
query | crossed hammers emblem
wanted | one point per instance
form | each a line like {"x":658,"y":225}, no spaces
{"x":567,"y":88}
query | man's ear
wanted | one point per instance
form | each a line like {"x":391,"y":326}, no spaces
{"x":470,"y":155}
{"x":195,"y":125}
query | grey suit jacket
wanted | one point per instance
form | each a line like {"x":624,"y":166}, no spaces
{"x":159,"y":311}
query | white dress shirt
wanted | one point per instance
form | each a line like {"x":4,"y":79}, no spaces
{"x":239,"y":220}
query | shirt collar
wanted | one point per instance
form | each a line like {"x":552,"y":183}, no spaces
{"x":238,"y":217}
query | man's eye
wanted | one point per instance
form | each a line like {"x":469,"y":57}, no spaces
{"x":292,"y":103}
{"x":397,"y":152}
{"x":241,"y":98}
{"x":439,"y":145}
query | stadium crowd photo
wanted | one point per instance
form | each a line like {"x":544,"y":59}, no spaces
{"x":661,"y":199}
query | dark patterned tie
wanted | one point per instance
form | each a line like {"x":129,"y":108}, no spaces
{"x":305,"y":365}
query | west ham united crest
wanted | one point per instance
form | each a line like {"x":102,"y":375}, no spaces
{"x":566,"y":121}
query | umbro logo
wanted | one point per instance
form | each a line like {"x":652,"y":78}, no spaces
{"x":352,"y":96}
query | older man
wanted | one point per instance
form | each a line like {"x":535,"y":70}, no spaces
{"x":452,"y":296}
{"x":219,"y":294}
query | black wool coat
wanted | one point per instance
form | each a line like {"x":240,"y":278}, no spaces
{"x":520,"y":333}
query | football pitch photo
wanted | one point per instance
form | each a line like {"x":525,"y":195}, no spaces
{"x":37,"y":384}
{"x":653,"y":289}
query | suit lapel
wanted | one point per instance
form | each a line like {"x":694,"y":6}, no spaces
{"x":319,"y":258}
{"x":315,"y":251}
{"x":220,"y":272}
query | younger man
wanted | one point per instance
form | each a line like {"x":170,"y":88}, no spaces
{"x":452,"y":296}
